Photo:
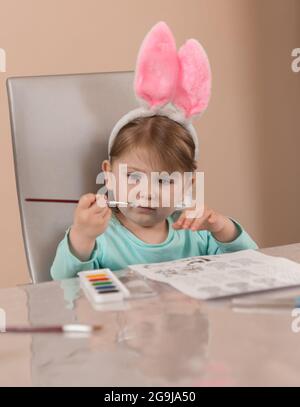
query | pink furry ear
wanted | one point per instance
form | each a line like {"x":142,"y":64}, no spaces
{"x":157,"y":66}
{"x":194,"y":80}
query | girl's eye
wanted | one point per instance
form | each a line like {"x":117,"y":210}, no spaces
{"x":133,"y":175}
{"x":166,"y":181}
{"x":137,"y":177}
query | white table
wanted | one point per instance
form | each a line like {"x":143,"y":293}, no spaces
{"x":167,"y":340}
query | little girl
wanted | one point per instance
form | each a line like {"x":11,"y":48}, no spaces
{"x":151,"y":139}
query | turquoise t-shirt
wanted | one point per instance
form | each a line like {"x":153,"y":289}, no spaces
{"x":117,"y":248}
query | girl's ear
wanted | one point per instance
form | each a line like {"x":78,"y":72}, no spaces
{"x":194,"y":79}
{"x":157,"y":67}
{"x":105,"y":166}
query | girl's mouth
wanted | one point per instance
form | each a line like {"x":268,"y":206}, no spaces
{"x":146,"y":209}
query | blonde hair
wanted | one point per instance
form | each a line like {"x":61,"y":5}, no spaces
{"x":167,"y":142}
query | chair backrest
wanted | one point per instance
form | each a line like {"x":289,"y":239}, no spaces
{"x":60,"y":127}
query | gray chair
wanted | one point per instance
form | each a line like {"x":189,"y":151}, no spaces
{"x":60,"y":127}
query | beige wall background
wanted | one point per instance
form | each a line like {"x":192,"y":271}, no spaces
{"x":249,"y":136}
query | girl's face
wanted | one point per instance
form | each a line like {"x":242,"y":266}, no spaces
{"x":131,"y":182}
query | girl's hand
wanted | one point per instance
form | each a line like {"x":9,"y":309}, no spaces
{"x":221,"y":227}
{"x":90,"y":220}
{"x":91,"y":216}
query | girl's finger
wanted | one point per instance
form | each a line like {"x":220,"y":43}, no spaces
{"x":180,"y":220}
{"x":100,"y":204}
{"x":188,"y":216}
{"x":95,"y":209}
{"x":212,"y":218}
{"x":104,"y":216}
{"x":101,"y":201}
{"x":197,"y":212}
{"x":187,"y":223}
{"x":216,"y":221}
{"x":192,"y":214}
{"x":198,"y":224}
{"x":86,"y":201}
{"x":200,"y":221}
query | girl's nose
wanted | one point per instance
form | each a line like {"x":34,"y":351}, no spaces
{"x":144,"y":196}
{"x":148,"y":197}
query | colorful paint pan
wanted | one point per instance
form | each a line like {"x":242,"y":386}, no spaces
{"x":102,"y":286}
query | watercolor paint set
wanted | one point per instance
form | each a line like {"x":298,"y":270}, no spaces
{"x":102,"y":286}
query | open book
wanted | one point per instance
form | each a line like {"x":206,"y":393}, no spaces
{"x":221,"y":275}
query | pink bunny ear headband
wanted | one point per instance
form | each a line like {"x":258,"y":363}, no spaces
{"x":169,"y":83}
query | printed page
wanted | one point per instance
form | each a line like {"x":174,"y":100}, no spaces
{"x":221,"y":275}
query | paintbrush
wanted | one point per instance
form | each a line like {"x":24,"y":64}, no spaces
{"x":109,"y":203}
{"x":69,"y":328}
